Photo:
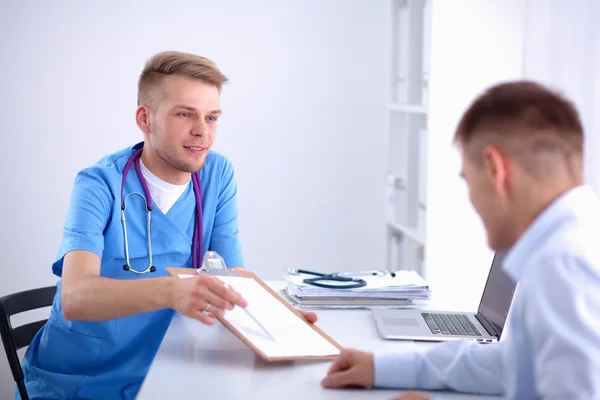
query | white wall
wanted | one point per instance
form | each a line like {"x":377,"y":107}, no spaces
{"x":473,"y":46}
{"x":303,"y":120}
{"x":562,"y":50}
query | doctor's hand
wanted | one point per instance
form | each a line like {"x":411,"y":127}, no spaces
{"x":309,"y":316}
{"x":350,"y":368}
{"x":204,"y":297}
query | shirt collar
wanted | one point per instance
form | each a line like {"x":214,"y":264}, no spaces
{"x":563,"y":207}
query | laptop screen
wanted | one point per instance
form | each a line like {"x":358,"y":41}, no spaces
{"x":497,"y":295}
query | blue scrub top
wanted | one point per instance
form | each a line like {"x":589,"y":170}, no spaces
{"x":109,"y":359}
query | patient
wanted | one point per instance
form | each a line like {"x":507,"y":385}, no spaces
{"x":522,"y":151}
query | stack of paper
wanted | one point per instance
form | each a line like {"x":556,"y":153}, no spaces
{"x":404,"y":289}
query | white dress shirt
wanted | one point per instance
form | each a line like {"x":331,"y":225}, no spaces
{"x":550,"y":348}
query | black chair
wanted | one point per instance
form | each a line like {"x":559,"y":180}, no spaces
{"x":21,"y":336}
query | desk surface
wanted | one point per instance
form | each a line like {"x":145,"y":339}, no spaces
{"x":209,"y":362}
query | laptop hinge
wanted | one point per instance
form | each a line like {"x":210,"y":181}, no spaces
{"x":489,"y":326}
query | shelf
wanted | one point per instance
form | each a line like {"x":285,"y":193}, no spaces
{"x":407,"y":133}
{"x":409,"y":69}
{"x":408,"y":108}
{"x":412,"y":233}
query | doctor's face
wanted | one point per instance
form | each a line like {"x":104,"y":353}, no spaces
{"x":182,"y":124}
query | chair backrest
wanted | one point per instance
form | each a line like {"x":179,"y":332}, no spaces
{"x":21,"y":336}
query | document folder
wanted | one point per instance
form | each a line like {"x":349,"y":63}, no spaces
{"x":290,"y":337}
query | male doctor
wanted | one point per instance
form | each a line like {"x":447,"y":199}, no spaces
{"x":522,"y":152}
{"x":113,"y":304}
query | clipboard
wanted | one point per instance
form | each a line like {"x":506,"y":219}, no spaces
{"x":176,"y":271}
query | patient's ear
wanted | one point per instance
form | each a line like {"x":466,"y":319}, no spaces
{"x":496,"y":165}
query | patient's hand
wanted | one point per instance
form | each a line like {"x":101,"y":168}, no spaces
{"x":350,"y":368}
{"x":412,"y":396}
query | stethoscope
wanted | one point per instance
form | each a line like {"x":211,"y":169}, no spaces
{"x":348,"y":280}
{"x":197,"y":239}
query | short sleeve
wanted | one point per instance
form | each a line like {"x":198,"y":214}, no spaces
{"x":87,"y":216}
{"x":224,"y":238}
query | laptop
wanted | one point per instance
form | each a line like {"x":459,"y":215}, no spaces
{"x":429,"y":325}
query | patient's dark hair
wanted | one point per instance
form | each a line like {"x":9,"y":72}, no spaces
{"x":527,"y":121}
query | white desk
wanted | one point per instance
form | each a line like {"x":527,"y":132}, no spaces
{"x":196,"y":361}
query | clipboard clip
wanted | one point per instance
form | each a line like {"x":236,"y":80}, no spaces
{"x":212,"y":261}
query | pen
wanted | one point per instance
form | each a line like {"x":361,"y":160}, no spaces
{"x":253,"y":318}
{"x":259,"y":324}
{"x":213,"y":261}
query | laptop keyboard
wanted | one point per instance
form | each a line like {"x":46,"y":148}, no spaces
{"x":450,"y":324}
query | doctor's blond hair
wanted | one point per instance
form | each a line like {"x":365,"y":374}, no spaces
{"x":175,"y":63}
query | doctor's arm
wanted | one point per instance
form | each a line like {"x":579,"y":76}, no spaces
{"x":566,"y":328}
{"x":87,"y":296}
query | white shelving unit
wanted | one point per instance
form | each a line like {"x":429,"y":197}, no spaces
{"x":407,"y":133}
